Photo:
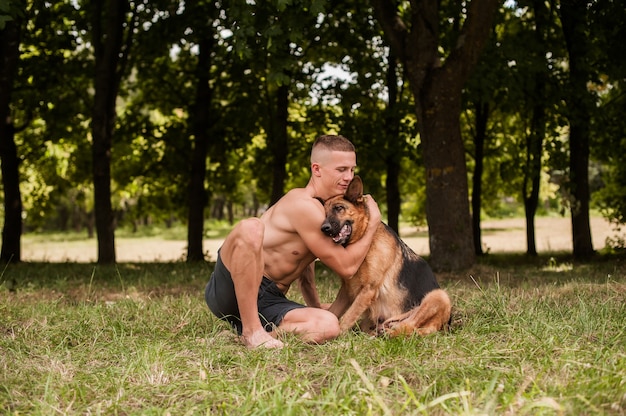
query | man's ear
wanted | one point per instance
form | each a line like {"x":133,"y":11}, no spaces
{"x":315,"y":169}
{"x":354,"y":193}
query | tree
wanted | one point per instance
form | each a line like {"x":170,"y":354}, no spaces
{"x":202,"y":18}
{"x":216,"y":104}
{"x":274,"y":39}
{"x":486,"y":95}
{"x":52,"y":103}
{"x":538,"y":101}
{"x":109,"y":19}
{"x":370,"y":97}
{"x":608,"y":142}
{"x":519,"y":79}
{"x":580,"y":102}
{"x":480,"y":137}
{"x":172,"y":88}
{"x":10,"y":55}
{"x":436,"y":82}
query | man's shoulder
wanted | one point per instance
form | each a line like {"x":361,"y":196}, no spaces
{"x":298,"y":201}
{"x":297,"y":212}
{"x":301,"y":194}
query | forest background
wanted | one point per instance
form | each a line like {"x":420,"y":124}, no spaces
{"x":126,"y":114}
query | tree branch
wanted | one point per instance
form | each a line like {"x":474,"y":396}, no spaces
{"x":474,"y":34}
{"x":393,"y":26}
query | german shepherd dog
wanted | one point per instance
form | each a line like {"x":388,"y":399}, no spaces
{"x":394,"y":292}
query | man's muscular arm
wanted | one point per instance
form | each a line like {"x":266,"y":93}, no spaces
{"x":344,"y":261}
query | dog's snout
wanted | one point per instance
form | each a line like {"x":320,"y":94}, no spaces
{"x":326,"y":227}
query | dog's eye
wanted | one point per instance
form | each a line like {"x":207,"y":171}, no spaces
{"x":339,"y":208}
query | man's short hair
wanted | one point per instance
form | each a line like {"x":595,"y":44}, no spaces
{"x":334,"y":143}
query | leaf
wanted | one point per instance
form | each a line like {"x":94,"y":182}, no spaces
{"x":3,"y":20}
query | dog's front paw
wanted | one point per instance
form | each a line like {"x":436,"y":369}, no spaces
{"x":393,"y":327}
{"x":391,"y":322}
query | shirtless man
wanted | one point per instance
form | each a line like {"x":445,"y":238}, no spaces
{"x":262,"y":257}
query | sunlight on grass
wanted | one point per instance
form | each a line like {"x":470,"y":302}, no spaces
{"x":554,"y":266}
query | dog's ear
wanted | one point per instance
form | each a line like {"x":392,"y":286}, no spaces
{"x":319,"y":199}
{"x":354,"y":193}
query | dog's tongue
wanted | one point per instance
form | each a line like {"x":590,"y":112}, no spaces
{"x":343,"y":233}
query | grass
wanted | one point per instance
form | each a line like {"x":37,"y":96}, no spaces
{"x":542,"y":336}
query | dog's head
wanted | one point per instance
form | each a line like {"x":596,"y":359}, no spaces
{"x":346,"y":215}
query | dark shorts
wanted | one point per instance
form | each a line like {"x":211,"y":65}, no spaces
{"x":220,"y":297}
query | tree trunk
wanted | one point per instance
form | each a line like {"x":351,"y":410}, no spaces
{"x":437,"y":92}
{"x":534,"y":141}
{"x":532,"y":172}
{"x":108,"y":29}
{"x":447,"y":203}
{"x":200,"y":112}
{"x":9,"y":161}
{"x":392,"y":127}
{"x":277,"y":140}
{"x":579,"y":103}
{"x":579,"y":180}
{"x":482,"y":116}
{"x":393,"y":193}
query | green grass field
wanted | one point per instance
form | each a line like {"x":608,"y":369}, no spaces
{"x":541,"y":336}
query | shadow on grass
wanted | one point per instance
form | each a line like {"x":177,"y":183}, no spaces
{"x":519,"y":269}
{"x":522,"y":270}
{"x":157,"y":279}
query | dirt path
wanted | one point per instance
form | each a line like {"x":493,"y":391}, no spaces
{"x":509,"y":235}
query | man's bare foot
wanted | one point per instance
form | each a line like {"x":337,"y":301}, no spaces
{"x":261,"y":339}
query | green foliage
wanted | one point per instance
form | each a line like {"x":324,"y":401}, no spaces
{"x":609,"y":125}
{"x":518,"y":57}
{"x":612,"y":196}
{"x":257,"y":47}
{"x":50,"y":109}
{"x":9,"y":10}
{"x":540,"y":338}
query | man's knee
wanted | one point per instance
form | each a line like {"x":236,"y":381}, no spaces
{"x":327,"y":327}
{"x":312,"y":324}
{"x":332,"y":327}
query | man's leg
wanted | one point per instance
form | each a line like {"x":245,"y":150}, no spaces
{"x":311,"y":324}
{"x":242,"y":254}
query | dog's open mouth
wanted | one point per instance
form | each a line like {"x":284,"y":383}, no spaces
{"x":344,"y":234}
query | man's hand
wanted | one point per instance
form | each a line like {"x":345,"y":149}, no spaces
{"x":374,"y":211}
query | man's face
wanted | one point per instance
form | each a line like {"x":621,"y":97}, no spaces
{"x":337,"y":170}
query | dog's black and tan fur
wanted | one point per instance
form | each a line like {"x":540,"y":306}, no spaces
{"x":394,"y":291}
